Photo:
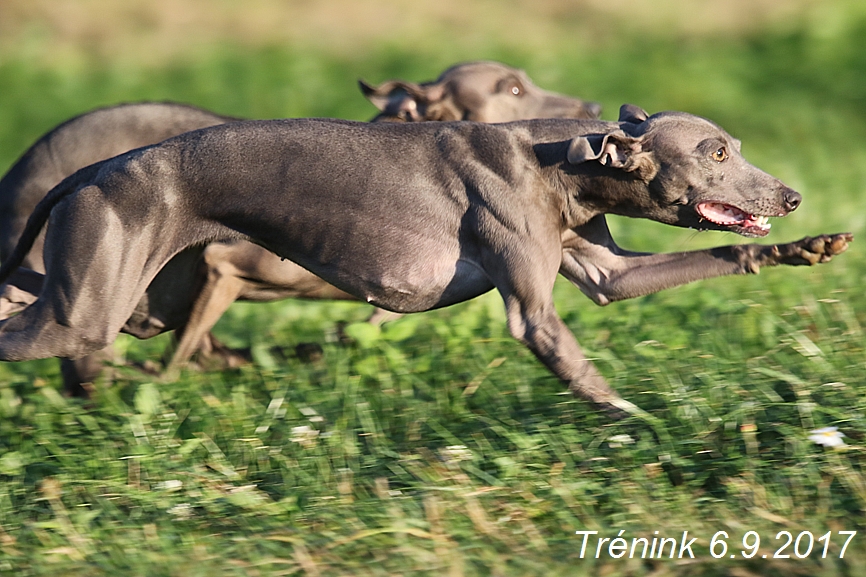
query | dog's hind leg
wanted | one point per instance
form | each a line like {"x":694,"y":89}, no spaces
{"x":20,"y":290}
{"x":221,"y":288}
{"x":98,"y":267}
{"x":80,"y":374}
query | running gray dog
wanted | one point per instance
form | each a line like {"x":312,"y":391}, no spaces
{"x":198,"y":285}
{"x":408,"y":217}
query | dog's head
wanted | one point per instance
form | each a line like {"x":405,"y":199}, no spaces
{"x":695,"y":174}
{"x":479,"y":91}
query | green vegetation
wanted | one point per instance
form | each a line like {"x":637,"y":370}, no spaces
{"x":438,"y":445}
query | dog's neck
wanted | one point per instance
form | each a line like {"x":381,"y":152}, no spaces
{"x":591,"y":191}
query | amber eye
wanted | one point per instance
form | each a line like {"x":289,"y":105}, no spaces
{"x":720,"y":154}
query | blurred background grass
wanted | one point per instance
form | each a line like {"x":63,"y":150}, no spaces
{"x":213,"y":474}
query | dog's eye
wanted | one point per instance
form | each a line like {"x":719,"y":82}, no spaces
{"x":510,"y":85}
{"x":720,"y":155}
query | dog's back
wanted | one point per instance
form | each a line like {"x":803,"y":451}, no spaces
{"x":77,"y":143}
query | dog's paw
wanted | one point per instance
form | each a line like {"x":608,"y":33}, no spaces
{"x":617,"y":408}
{"x":611,"y":412}
{"x":813,"y":250}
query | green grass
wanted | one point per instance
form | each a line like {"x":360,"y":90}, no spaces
{"x":211,"y":475}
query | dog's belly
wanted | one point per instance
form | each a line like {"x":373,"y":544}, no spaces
{"x":409,"y":286}
{"x":447,"y":283}
{"x":403,"y":265}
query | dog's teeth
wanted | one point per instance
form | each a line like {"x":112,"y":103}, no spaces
{"x":761,"y":220}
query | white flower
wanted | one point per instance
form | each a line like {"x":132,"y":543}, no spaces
{"x":305,"y":435}
{"x":181,"y":511}
{"x":455,"y":453}
{"x":170,"y":485}
{"x":828,"y":437}
{"x":617,"y":441}
{"x":311,"y":414}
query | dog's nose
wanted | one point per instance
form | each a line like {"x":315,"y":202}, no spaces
{"x":792,"y":200}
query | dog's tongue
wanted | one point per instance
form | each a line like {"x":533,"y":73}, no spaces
{"x":728,"y":215}
{"x":722,"y":213}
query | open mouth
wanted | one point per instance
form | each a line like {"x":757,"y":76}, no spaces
{"x":734,"y":219}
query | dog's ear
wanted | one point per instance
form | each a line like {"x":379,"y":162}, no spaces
{"x":632,"y":114}
{"x":610,"y":149}
{"x":402,"y":100}
{"x":614,"y":149}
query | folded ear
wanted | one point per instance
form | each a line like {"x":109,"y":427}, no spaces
{"x":632,"y":114}
{"x":381,"y":94}
{"x":609,"y":149}
{"x":401,"y":99}
{"x":616,"y":150}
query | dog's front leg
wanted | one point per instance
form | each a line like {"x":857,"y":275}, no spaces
{"x":544,"y":333}
{"x":606,"y":273}
{"x":525,"y":279}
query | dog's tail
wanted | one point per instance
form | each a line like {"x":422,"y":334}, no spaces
{"x":40,"y":216}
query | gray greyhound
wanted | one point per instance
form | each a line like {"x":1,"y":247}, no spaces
{"x":190,"y":296}
{"x":408,"y":217}
{"x":479,"y":91}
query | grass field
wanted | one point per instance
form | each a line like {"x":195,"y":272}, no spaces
{"x":438,"y":445}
